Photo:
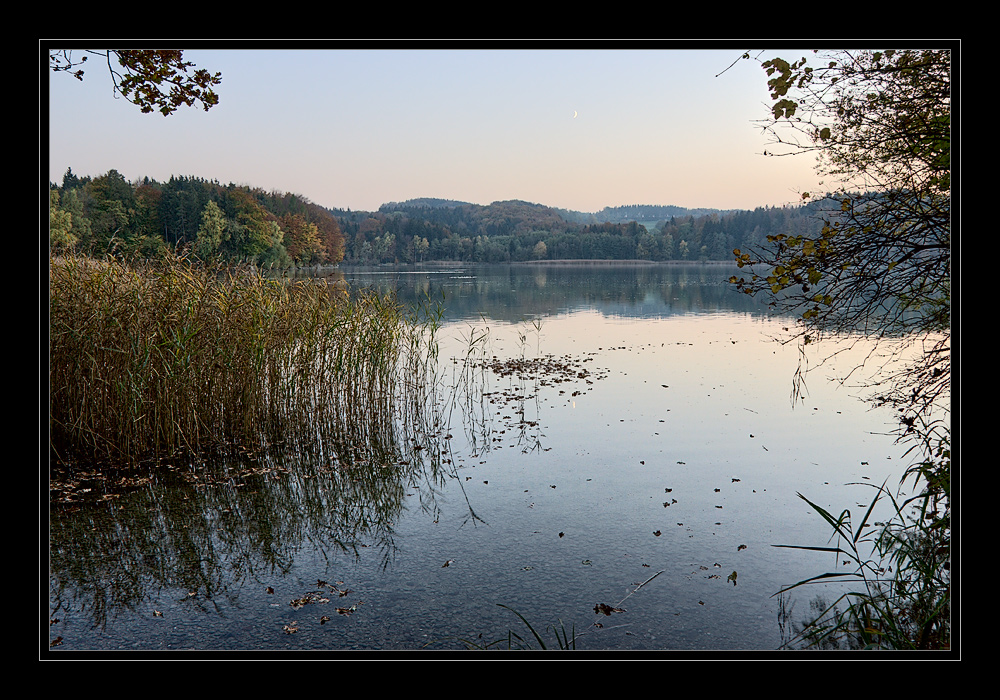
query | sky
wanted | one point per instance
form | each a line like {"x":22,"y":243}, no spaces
{"x":353,"y":126}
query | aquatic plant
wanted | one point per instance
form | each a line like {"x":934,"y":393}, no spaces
{"x":513,"y":641}
{"x":899,"y":571}
{"x":149,"y":358}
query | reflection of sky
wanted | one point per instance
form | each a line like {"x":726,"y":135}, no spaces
{"x":695,"y":388}
{"x":686,"y":410}
{"x":698,"y":404}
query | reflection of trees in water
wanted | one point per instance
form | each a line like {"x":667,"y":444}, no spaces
{"x":513,"y":292}
{"x":207,"y":527}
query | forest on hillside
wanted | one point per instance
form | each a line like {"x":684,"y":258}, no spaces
{"x":516,"y":231}
{"x":214,"y":222}
{"x":109,"y":215}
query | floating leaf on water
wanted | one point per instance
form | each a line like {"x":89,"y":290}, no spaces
{"x":447,"y":563}
{"x":657,"y":533}
{"x":587,"y":562}
{"x":310,"y":597}
{"x":731,"y":577}
{"x":606,"y":609}
{"x":742,"y":546}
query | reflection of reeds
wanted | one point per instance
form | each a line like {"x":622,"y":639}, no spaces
{"x":151,"y":358}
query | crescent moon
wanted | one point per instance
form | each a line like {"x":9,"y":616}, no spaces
{"x":574,"y":114}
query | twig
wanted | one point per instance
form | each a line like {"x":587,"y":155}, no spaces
{"x":640,"y":586}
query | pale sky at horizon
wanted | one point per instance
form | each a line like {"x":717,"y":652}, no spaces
{"x":358,"y":127}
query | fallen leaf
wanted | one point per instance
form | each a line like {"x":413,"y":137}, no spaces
{"x":606,"y":609}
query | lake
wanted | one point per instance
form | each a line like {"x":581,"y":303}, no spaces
{"x":606,"y":446}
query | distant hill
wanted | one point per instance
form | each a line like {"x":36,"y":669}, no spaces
{"x":421,"y":202}
{"x":649,"y":213}
{"x":283,"y":229}
{"x":426,"y":228}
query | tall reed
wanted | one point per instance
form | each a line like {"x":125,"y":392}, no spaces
{"x":148,"y":358}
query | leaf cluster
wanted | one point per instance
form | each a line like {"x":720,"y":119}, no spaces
{"x":153,"y":80}
{"x":880,"y":122}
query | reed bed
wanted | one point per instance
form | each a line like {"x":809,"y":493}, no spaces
{"x":153,"y":358}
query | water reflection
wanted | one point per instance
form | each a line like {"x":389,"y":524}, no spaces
{"x":117,"y":539}
{"x":537,"y":463}
{"x":514,"y":292}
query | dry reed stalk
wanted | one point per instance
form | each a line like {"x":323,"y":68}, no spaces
{"x":151,"y":358}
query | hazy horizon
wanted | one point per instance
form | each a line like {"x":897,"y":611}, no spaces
{"x":355,"y":128}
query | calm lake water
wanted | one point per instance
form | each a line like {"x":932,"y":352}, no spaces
{"x":596,"y":428}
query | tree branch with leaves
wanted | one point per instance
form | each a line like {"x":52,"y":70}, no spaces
{"x":879,"y":123}
{"x":153,"y":80}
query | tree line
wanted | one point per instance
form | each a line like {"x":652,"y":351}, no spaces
{"x":108,"y":214}
{"x":227,"y":223}
{"x":515,"y":231}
